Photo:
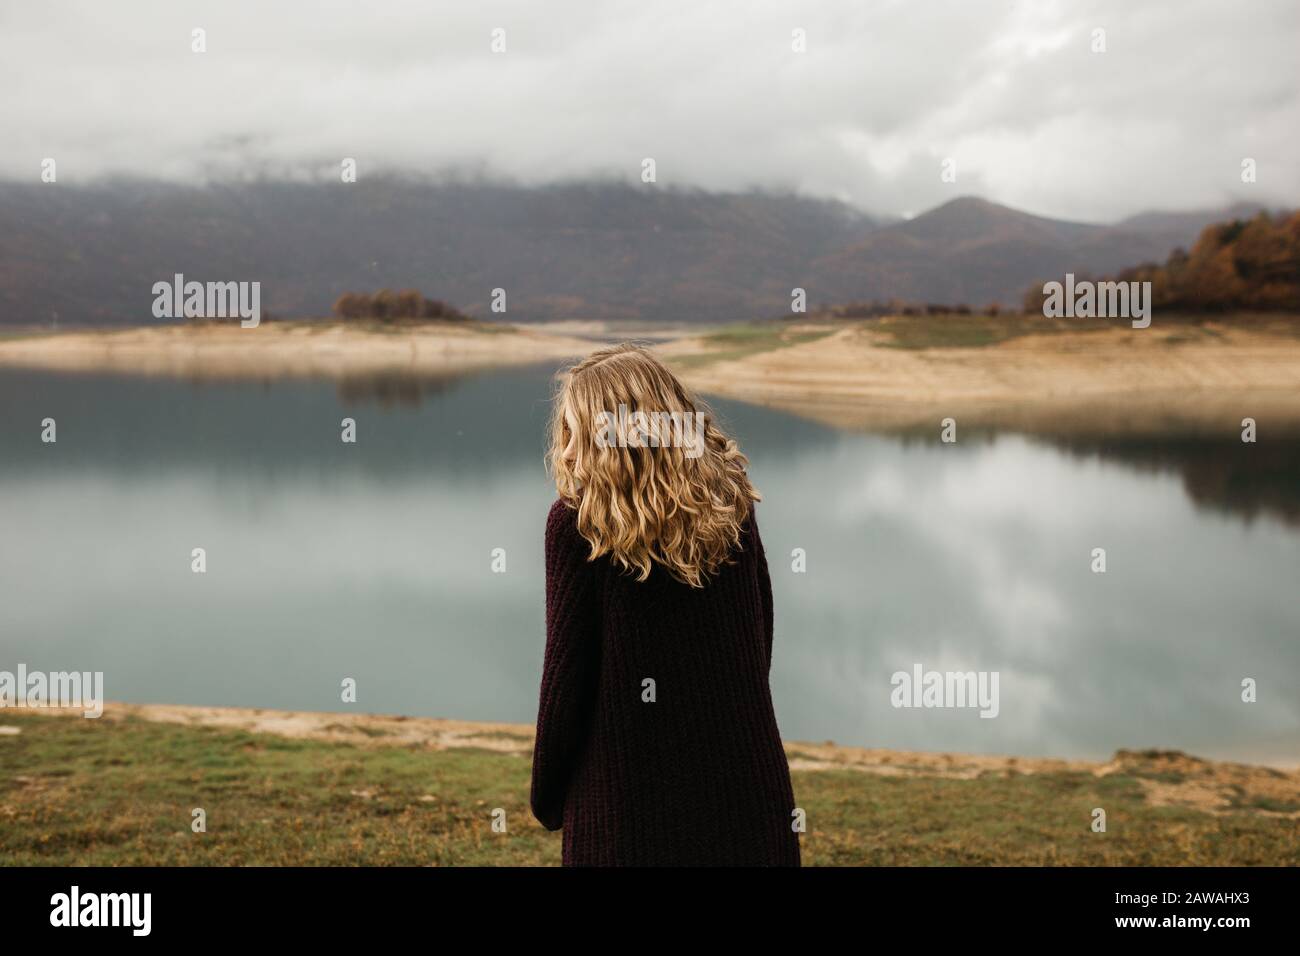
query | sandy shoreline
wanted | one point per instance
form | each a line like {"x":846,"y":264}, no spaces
{"x":1191,"y":378}
{"x":290,"y":350}
{"x":1169,"y":778}
{"x":1194,"y":380}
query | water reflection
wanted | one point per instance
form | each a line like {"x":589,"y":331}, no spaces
{"x":391,"y":389}
{"x":372,"y":561}
{"x":1248,"y":480}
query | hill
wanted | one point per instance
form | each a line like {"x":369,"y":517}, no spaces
{"x":976,"y":252}
{"x":75,"y":255}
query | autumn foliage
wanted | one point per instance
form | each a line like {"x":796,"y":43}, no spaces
{"x":1245,"y":264}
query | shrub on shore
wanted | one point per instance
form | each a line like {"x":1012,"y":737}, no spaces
{"x":389,"y":306}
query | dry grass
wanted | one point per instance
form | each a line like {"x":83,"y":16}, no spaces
{"x":120,"y":791}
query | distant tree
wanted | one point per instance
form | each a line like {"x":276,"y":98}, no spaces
{"x":352,"y":306}
{"x":384,"y":305}
{"x":409,"y":304}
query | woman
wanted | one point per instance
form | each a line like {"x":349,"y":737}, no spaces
{"x":656,"y":738}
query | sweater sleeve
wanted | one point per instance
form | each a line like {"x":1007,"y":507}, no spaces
{"x":764,"y":587}
{"x":570,"y":666}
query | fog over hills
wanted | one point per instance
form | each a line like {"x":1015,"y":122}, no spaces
{"x":90,"y":254}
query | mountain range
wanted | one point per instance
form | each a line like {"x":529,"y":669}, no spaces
{"x":89,"y":255}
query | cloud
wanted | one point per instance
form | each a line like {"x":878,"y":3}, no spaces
{"x":712,"y":91}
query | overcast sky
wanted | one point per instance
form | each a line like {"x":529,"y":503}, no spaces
{"x":714,"y":92}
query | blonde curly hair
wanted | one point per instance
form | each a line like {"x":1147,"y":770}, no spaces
{"x":653,"y":479}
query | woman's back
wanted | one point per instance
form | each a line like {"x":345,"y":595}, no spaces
{"x":657,"y":742}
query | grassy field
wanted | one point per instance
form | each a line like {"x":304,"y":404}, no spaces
{"x":976,"y":331}
{"x":956,"y":330}
{"x":121,"y":792}
{"x":972,"y":331}
{"x":744,"y":339}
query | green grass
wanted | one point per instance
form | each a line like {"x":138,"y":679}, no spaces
{"x":16,"y":335}
{"x":956,"y":330}
{"x":977,"y":331}
{"x":743,"y":339}
{"x":80,"y":792}
{"x":1024,"y":819}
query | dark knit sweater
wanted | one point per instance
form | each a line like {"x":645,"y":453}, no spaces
{"x":699,"y":776}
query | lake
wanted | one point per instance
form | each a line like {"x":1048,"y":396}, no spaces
{"x":374,"y":561}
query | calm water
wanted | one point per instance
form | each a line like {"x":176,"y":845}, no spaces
{"x":372,"y":561}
